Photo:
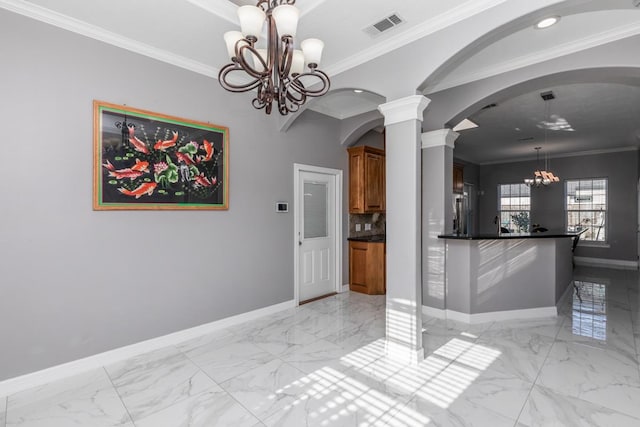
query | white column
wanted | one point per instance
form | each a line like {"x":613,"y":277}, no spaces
{"x":437,"y":212}
{"x":403,"y":119}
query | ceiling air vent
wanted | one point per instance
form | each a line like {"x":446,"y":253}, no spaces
{"x":383,"y":25}
{"x":548,"y":96}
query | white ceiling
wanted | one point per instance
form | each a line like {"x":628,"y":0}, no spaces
{"x":188,"y":33}
{"x":601,"y":116}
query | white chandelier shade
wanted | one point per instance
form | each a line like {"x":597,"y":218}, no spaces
{"x":286,"y":17}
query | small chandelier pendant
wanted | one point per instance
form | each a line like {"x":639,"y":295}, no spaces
{"x":541,"y":177}
{"x":277,"y":73}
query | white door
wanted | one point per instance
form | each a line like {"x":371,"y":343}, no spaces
{"x":317,"y":235}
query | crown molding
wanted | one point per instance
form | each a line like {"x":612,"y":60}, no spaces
{"x":228,"y":11}
{"x":222,"y":9}
{"x":98,"y":33}
{"x":433,"y":25}
{"x":546,"y":54}
{"x":341,"y":115}
{"x":561,"y":155}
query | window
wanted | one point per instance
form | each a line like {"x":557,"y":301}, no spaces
{"x":587,"y":208}
{"x":514,"y":205}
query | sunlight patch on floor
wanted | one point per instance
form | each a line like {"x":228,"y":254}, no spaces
{"x":332,"y":394}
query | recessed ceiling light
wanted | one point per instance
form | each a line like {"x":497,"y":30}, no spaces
{"x":464,"y":125}
{"x":546,"y":22}
{"x":357,"y":90}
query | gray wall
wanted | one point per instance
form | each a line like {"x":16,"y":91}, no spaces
{"x":621,"y":168}
{"x":75,"y":282}
{"x":372,"y":139}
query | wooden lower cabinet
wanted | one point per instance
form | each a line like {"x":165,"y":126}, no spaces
{"x":367,"y":267}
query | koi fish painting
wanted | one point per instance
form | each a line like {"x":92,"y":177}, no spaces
{"x":152,"y":161}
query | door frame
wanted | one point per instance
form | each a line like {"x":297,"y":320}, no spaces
{"x":298,"y":168}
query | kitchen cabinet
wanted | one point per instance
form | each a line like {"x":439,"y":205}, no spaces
{"x":367,"y":267}
{"x":458,"y":179}
{"x":366,"y":180}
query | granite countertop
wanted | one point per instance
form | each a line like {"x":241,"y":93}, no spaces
{"x":376,"y":238}
{"x":502,"y":236}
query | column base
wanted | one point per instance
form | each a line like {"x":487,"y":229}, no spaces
{"x":403,"y":354}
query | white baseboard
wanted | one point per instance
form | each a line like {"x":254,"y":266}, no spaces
{"x":607,"y":263}
{"x":345,"y":288}
{"x":438,"y":313}
{"x":494,"y":316}
{"x":39,"y":378}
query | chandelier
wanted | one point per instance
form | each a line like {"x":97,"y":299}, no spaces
{"x":277,"y":71}
{"x":541,"y":177}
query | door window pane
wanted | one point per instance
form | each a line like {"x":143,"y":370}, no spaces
{"x":315,"y":210}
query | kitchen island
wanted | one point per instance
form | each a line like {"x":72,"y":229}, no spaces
{"x":506,"y":276}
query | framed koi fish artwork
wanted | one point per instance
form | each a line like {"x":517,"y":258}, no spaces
{"x":145,"y":160}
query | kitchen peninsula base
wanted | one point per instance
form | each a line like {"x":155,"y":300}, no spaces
{"x":498,"y":278}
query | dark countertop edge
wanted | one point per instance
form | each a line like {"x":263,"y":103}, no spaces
{"x":507,"y":236}
{"x":376,"y":238}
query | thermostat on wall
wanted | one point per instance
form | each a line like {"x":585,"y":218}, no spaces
{"x":282,"y":207}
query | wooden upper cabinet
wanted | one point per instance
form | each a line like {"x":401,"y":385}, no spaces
{"x":458,"y":178}
{"x":366,"y":180}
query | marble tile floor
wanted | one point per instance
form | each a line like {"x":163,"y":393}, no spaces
{"x":323,"y":364}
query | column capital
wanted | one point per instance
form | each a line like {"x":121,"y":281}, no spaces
{"x":438,"y":138}
{"x":403,"y":109}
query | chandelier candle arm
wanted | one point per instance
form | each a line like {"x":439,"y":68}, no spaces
{"x":280,"y":71}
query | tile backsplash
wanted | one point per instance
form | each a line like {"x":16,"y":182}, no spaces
{"x":377,"y":221}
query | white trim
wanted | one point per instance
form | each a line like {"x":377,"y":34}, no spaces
{"x":39,"y":378}
{"x":404,"y":109}
{"x":345,"y":287}
{"x":619,"y":264}
{"x":494,"y":316}
{"x":593,"y":243}
{"x":438,"y":313}
{"x":98,"y":33}
{"x":337,"y":173}
{"x":403,"y":354}
{"x":222,"y":9}
{"x":439,"y":138}
{"x":423,"y":29}
{"x":227,"y":12}
{"x":543,"y":55}
{"x":560,"y":155}
{"x":568,"y":293}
